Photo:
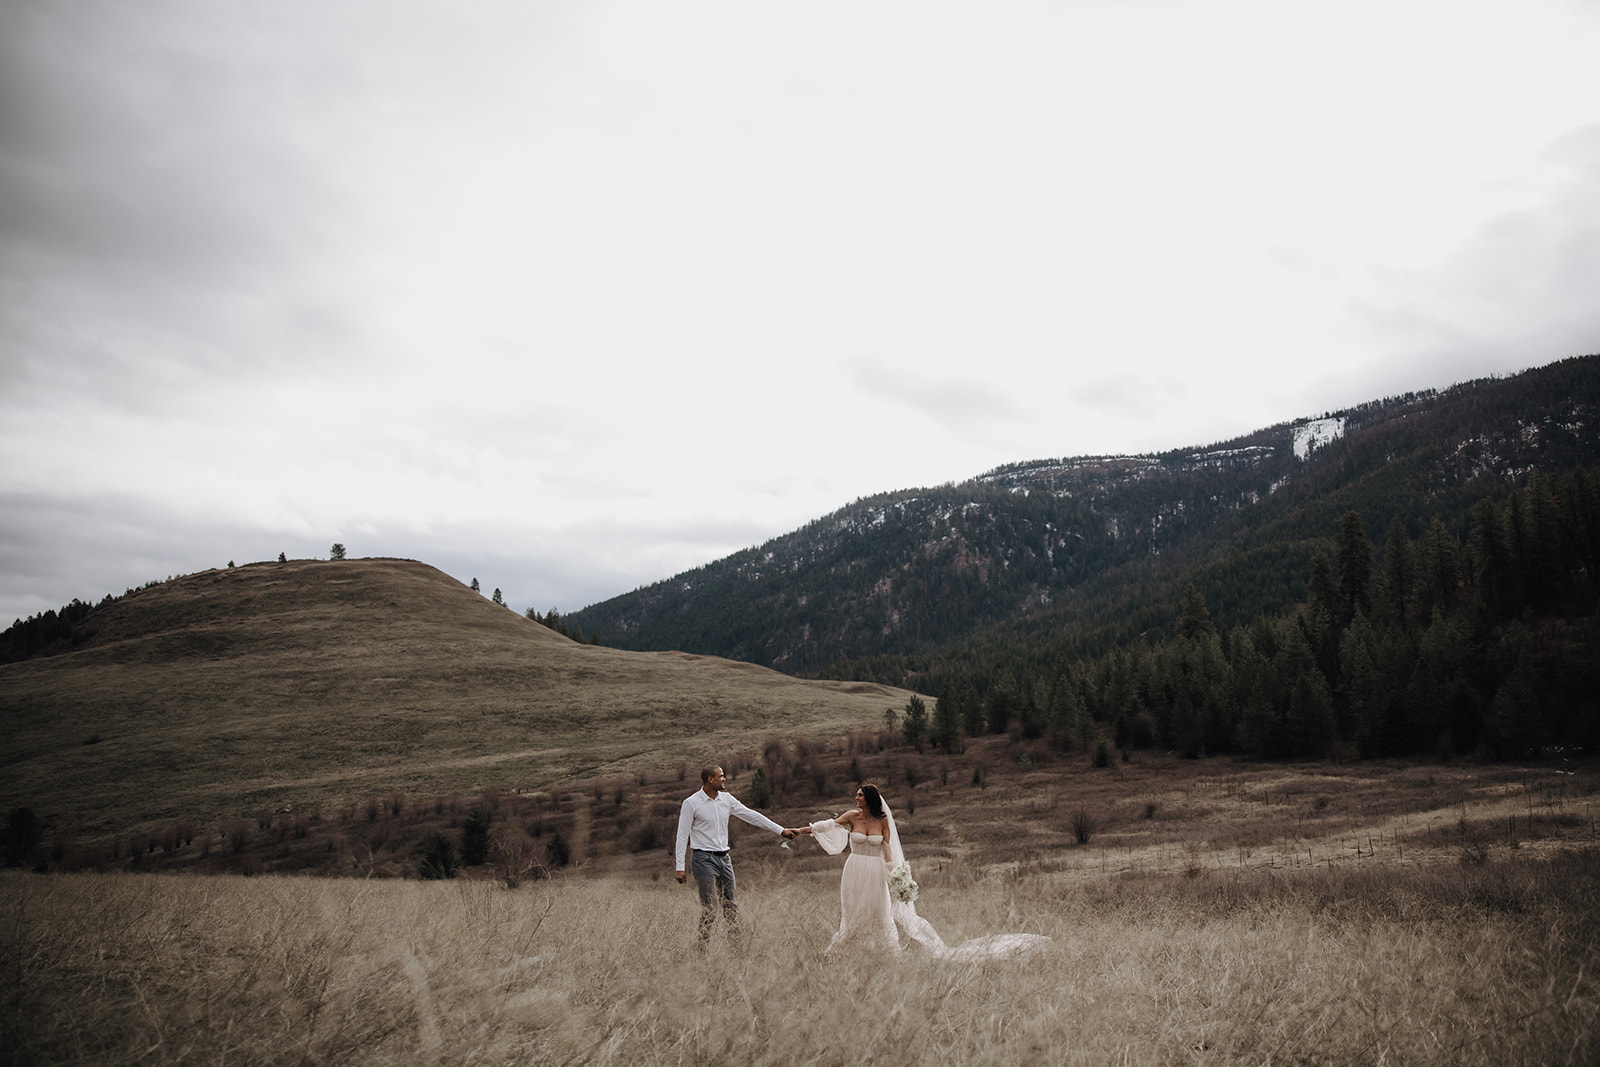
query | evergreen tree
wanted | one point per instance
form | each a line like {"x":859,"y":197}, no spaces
{"x":1353,"y":553}
{"x":1438,"y":569}
{"x":972,"y":716}
{"x":1194,"y":619}
{"x":1496,"y":573}
{"x":1322,"y":592}
{"x":556,"y":851}
{"x":760,"y":789}
{"x":1362,"y":689}
{"x":945,"y":732}
{"x":1399,"y":570}
{"x":336,"y":552}
{"x":497,"y":598}
{"x":999,"y":707}
{"x":475,"y":838}
{"x":914,"y":725}
{"x":438,"y":857}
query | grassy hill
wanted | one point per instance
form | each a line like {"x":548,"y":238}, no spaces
{"x":312,"y":683}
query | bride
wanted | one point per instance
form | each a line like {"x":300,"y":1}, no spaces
{"x":868,"y":912}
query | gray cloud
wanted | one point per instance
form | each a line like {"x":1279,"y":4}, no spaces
{"x":946,"y":400}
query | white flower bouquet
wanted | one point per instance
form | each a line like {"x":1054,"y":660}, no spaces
{"x":902,"y":886}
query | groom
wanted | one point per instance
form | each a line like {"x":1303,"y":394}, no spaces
{"x":703,"y":827}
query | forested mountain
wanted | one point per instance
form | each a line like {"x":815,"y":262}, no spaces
{"x":1005,"y":573}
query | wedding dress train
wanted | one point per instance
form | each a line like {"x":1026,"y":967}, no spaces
{"x":868,"y":913}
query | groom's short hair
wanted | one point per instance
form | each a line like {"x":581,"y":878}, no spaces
{"x":706,"y":773}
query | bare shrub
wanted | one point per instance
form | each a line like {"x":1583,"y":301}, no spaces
{"x":238,"y":835}
{"x":1083,"y":826}
{"x":650,"y":835}
{"x":514,"y":856}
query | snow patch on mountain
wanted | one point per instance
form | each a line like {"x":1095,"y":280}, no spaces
{"x":1316,"y":433}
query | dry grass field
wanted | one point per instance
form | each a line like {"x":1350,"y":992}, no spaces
{"x":1219,"y":913}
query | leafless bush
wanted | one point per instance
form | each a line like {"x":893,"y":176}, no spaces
{"x":514,"y":855}
{"x":1083,"y":826}
{"x":238,"y":835}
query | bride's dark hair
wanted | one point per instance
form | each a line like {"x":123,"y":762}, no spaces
{"x":874,"y":800}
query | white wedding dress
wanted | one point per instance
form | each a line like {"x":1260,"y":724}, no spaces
{"x":868,"y":914}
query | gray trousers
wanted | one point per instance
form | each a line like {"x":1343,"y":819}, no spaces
{"x":713,"y":874}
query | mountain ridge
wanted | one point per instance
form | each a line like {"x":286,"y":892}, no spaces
{"x":1092,"y":546}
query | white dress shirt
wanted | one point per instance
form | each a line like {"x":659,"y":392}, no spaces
{"x":703,"y":822}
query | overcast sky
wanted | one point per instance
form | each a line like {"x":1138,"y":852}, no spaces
{"x":571,"y":297}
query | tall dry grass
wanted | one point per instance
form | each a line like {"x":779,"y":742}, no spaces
{"x":1487,"y":963}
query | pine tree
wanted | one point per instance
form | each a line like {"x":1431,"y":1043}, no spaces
{"x":475,"y":838}
{"x":1194,"y":618}
{"x":1363,"y":693}
{"x":1353,"y":553}
{"x":438,"y":857}
{"x":1321,"y":590}
{"x":945,"y":732}
{"x":1399,"y":570}
{"x":1438,"y":569}
{"x":914,"y":725}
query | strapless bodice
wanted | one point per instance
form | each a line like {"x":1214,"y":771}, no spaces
{"x":867,"y":843}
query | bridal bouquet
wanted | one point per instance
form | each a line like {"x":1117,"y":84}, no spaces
{"x":901,"y":885}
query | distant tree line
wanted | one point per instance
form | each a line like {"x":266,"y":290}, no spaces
{"x":555,"y":622}
{"x":1487,"y":646}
